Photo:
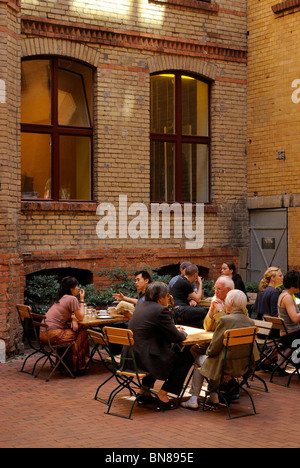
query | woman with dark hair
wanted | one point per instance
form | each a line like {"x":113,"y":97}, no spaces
{"x":228,"y":269}
{"x":63,"y":327}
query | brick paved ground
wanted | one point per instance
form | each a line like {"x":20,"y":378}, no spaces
{"x":63,"y":413}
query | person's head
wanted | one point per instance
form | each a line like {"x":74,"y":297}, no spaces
{"x":272,"y":277}
{"x":157,"y":292}
{"x":69,"y":286}
{"x":228,"y":269}
{"x":236,"y":300}
{"x":183,"y":266}
{"x":291,"y":281}
{"x":142,"y":278}
{"x":223,"y":285}
{"x":191,"y":272}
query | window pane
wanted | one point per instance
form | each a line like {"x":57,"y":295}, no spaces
{"x":72,"y":104}
{"x":194,"y":107}
{"x":35,"y":96}
{"x":163,"y":104}
{"x":195,"y":173}
{"x":86,"y":74}
{"x":36,"y":165}
{"x":162,"y":171}
{"x":74,"y":168}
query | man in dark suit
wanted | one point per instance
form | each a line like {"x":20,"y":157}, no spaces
{"x":154,"y":333}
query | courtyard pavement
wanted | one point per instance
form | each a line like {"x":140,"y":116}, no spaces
{"x":62,"y":413}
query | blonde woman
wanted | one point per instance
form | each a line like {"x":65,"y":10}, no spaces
{"x":267,"y":297}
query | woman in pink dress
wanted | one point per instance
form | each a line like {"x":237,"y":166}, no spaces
{"x":63,"y":327}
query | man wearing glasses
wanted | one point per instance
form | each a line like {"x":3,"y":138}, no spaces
{"x":223,"y":285}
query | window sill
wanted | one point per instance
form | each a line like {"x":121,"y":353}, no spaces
{"x":208,"y":207}
{"x":195,"y":4}
{"x":286,"y":5}
{"x":28,"y":205}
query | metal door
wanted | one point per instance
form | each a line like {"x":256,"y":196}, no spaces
{"x":268,"y":241}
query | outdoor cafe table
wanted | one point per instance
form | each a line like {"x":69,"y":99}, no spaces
{"x":195,"y":335}
{"x":91,"y":321}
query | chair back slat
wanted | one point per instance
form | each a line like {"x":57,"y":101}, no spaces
{"x":277,"y":323}
{"x":38,"y":319}
{"x":97,"y":337}
{"x":239,"y":336}
{"x":264,"y":328}
{"x":121,"y":336}
{"x":24,"y":311}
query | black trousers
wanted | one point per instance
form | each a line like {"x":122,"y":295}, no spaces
{"x":192,"y":316}
{"x":174,"y":383}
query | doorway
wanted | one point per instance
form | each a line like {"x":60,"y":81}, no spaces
{"x":268,"y":241}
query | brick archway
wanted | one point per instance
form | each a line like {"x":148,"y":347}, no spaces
{"x":192,"y":65}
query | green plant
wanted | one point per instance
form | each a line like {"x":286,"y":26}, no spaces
{"x":208,"y":288}
{"x":251,"y":286}
{"x":40,"y":291}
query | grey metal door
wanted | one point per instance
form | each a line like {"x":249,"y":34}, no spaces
{"x":268,"y":241}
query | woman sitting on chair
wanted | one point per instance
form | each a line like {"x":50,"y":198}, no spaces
{"x":289,"y":312}
{"x":62,"y":329}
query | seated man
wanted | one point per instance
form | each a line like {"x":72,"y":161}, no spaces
{"x":183,"y":292}
{"x":142,"y":279}
{"x":154,"y":333}
{"x":216,"y":310}
{"x":182,"y":272}
{"x":236,"y":317}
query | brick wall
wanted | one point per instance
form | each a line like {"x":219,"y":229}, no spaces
{"x":273,"y":111}
{"x":11,"y":271}
{"x":126,"y":42}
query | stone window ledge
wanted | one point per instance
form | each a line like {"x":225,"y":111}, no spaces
{"x":195,"y":4}
{"x":27,"y":205}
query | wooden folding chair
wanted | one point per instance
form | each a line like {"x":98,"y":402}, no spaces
{"x":56,"y":351}
{"x":31,"y":323}
{"x":238,"y":337}
{"x":100,"y":343}
{"x":127,"y":374}
{"x":279,"y":324}
{"x":265,"y":348}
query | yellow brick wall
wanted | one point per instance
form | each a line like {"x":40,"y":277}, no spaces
{"x":273,"y":118}
{"x":273,"y":111}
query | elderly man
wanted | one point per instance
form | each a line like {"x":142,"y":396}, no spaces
{"x":154,"y":333}
{"x":217,"y":309}
{"x":183,"y":292}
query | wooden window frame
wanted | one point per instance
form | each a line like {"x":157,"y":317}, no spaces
{"x":179,"y":139}
{"x":55,"y":131}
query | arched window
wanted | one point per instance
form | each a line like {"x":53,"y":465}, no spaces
{"x":180,"y":138}
{"x":57,"y":129}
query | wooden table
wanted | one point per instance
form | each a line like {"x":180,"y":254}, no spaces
{"x":90,"y":321}
{"x":195,"y":335}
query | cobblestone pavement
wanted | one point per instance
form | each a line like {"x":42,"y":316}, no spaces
{"x":63,"y":413}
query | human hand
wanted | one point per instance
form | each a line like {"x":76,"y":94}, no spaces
{"x":216,"y":306}
{"x":199,"y":280}
{"x":74,"y":325}
{"x":119,"y":296}
{"x":82,"y":294}
{"x":127,"y":313}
